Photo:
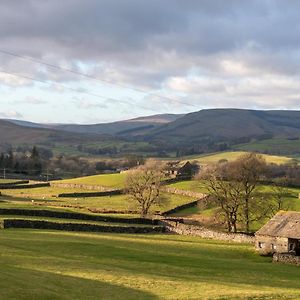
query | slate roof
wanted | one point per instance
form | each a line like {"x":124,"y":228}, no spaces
{"x":283,"y":224}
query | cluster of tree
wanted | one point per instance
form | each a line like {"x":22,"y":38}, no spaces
{"x":284,"y":174}
{"x":143,"y":185}
{"x":233,"y":186}
{"x":30,"y":163}
{"x":107,"y":150}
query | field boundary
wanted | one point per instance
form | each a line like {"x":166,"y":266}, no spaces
{"x":184,"y":206}
{"x":91,"y":194}
{"x":25,"y":186}
{"x":76,"y":216}
{"x":81,"y":186}
{"x":184,"y":229}
{"x":40,"y":224}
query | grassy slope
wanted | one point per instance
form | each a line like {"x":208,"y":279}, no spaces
{"x":46,"y":196}
{"x":57,"y":265}
{"x":106,"y":180}
{"x":198,"y":186}
{"x":230,"y":156}
{"x":275,"y":145}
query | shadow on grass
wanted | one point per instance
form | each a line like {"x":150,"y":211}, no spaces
{"x":25,"y":283}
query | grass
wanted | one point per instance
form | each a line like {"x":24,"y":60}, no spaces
{"x":292,"y":201}
{"x":233,"y":155}
{"x":46,"y":196}
{"x":65,"y":265}
{"x":106,"y":180}
{"x":7,"y":180}
{"x":275,"y":145}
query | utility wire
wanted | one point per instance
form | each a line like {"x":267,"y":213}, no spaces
{"x":28,"y":58}
{"x":78,"y":90}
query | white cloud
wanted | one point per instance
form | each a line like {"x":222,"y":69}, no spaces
{"x":11,"y":114}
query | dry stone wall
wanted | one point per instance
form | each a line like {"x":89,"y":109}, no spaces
{"x":81,"y":186}
{"x":184,"y":192}
{"x":183,"y":229}
{"x":286,"y":258}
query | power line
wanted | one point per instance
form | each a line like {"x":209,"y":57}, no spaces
{"x":77,"y":90}
{"x":28,"y":58}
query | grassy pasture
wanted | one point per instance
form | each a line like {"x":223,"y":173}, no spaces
{"x":291,"y":199}
{"x":233,"y":155}
{"x":69,"y":265}
{"x":47,"y":196}
{"x":105,"y":180}
{"x":275,"y":145}
{"x":7,"y":180}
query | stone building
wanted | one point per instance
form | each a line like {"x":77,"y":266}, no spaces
{"x":280,"y":235}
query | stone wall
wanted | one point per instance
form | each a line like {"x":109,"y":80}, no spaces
{"x":74,"y":215}
{"x":90,"y":194}
{"x":25,"y":186}
{"x":184,"y":192}
{"x":37,"y":224}
{"x":183,"y":229}
{"x":286,"y":258}
{"x":81,"y":186}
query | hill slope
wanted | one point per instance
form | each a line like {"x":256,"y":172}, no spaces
{"x":137,"y":126}
{"x":228,"y":125}
{"x":13,"y":134}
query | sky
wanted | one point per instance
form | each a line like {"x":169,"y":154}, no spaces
{"x":94,"y":61}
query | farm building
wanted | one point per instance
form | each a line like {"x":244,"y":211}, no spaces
{"x":280,"y":235}
{"x":187,"y":170}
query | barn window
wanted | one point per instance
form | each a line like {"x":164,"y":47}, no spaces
{"x":273,"y":246}
{"x":261,"y":245}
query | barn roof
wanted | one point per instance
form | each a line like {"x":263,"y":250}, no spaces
{"x":283,"y":224}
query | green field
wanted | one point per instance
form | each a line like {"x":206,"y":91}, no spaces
{"x":60,"y":265}
{"x":292,"y":200}
{"x":275,"y":145}
{"x":107,"y":180}
{"x":47,"y":196}
{"x":233,"y":155}
{"x":7,"y":180}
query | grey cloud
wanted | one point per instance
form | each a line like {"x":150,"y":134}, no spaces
{"x":147,"y":43}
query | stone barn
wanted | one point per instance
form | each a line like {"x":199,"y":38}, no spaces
{"x":280,"y":235}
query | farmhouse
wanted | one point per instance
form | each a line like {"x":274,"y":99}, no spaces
{"x":280,"y":235}
{"x":187,"y":170}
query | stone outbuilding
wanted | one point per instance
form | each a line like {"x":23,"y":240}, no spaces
{"x":280,"y":235}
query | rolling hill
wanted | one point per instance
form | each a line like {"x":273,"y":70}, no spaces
{"x":11,"y":133}
{"x":206,"y":128}
{"x":137,"y":126}
{"x":229,"y":125}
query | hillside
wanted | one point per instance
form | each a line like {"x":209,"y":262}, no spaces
{"x":232,"y":155}
{"x":229,"y":125}
{"x":13,"y":134}
{"x":137,"y":126}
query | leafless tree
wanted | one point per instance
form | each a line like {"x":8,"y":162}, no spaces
{"x":226,"y":193}
{"x":234,"y":187}
{"x":247,"y":170}
{"x":280,"y":192}
{"x":143,"y":186}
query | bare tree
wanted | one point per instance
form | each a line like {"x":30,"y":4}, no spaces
{"x":143,"y":186}
{"x":226,"y":193}
{"x":234,"y":186}
{"x":280,"y":192}
{"x":247,"y":170}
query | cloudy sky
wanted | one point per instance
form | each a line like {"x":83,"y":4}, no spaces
{"x":89,"y":61}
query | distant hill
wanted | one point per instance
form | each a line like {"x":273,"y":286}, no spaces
{"x":228,"y":125}
{"x":207,"y":130}
{"x":137,"y":126}
{"x":11,"y":133}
